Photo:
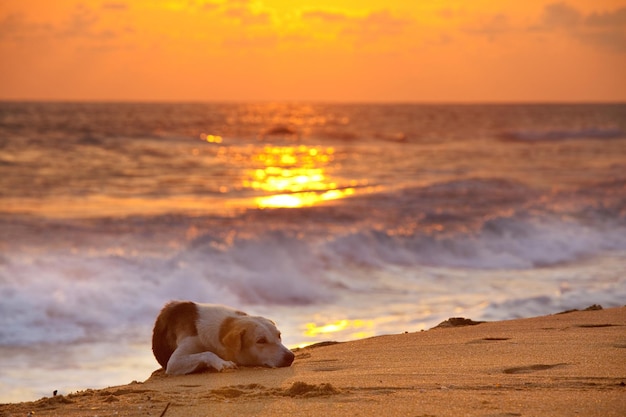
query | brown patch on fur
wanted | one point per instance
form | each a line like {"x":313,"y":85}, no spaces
{"x":226,"y":327}
{"x":247,"y":337}
{"x":231,"y":335}
{"x":178,"y":318}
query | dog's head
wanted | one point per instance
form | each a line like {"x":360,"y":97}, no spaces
{"x":254,"y":341}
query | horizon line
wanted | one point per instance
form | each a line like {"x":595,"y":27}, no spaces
{"x":312,"y":101}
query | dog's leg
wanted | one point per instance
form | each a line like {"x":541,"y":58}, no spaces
{"x":189,"y":357}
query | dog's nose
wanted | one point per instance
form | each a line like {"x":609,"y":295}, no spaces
{"x":288,"y":358}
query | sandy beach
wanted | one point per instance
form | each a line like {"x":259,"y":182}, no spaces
{"x":569,"y":364}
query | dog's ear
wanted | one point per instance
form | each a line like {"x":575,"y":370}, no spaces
{"x":232,"y":333}
{"x":233,"y":339}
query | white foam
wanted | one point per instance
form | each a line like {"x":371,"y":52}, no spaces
{"x":70,"y":297}
{"x":503,"y":243}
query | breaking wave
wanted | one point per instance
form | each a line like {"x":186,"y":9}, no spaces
{"x":119,"y":294}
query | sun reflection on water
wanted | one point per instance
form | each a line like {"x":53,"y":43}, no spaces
{"x":344,"y":329}
{"x":294,"y":176}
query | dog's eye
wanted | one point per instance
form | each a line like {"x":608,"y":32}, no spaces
{"x":262,"y":341}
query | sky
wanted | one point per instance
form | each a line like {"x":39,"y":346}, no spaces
{"x":314,"y":50}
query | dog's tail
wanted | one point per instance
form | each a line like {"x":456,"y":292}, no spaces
{"x":176,"y":319}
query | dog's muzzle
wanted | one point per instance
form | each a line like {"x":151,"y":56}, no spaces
{"x":287,"y":359}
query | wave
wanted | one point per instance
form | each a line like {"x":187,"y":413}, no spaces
{"x":565,"y":134}
{"x":77,"y":296}
{"x":107,"y":278}
{"x":517,"y":242}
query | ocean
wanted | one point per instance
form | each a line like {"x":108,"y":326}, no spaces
{"x":338,"y":221}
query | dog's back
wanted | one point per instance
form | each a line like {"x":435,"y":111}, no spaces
{"x":176,"y":319}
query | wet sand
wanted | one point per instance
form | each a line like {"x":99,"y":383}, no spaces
{"x":571,"y":364}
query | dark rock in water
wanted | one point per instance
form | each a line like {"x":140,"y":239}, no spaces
{"x":280,"y":130}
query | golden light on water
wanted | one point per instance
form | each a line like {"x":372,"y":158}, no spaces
{"x":313,"y":329}
{"x":301,"y":199}
{"x":211,"y":138}
{"x":352,"y":329}
{"x":294,"y":176}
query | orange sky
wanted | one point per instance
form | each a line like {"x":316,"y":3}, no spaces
{"x":322,"y":50}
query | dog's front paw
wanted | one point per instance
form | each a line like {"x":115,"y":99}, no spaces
{"x":225,"y":365}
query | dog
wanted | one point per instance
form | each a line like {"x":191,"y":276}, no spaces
{"x":190,"y":337}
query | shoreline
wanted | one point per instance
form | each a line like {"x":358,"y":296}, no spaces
{"x":571,"y":363}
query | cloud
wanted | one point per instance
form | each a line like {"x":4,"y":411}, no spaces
{"x":80,"y":24}
{"x":605,"y":29}
{"x":246,"y":16}
{"x":611,"y":39}
{"x":601,"y":29}
{"x":607,"y":19}
{"x":496,"y":25}
{"x":208,"y":6}
{"x":243,"y":11}
{"x":384,"y":22}
{"x":257,"y":43}
{"x":377,"y":25}
{"x":16,"y":28}
{"x":325,"y":16}
{"x":83,"y":25}
{"x":364,"y":27}
{"x":115,"y":6}
{"x":560,"y":15}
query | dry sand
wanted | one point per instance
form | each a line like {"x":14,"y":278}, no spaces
{"x":571,"y":364}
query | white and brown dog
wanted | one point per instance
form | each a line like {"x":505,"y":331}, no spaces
{"x":189,"y":337}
